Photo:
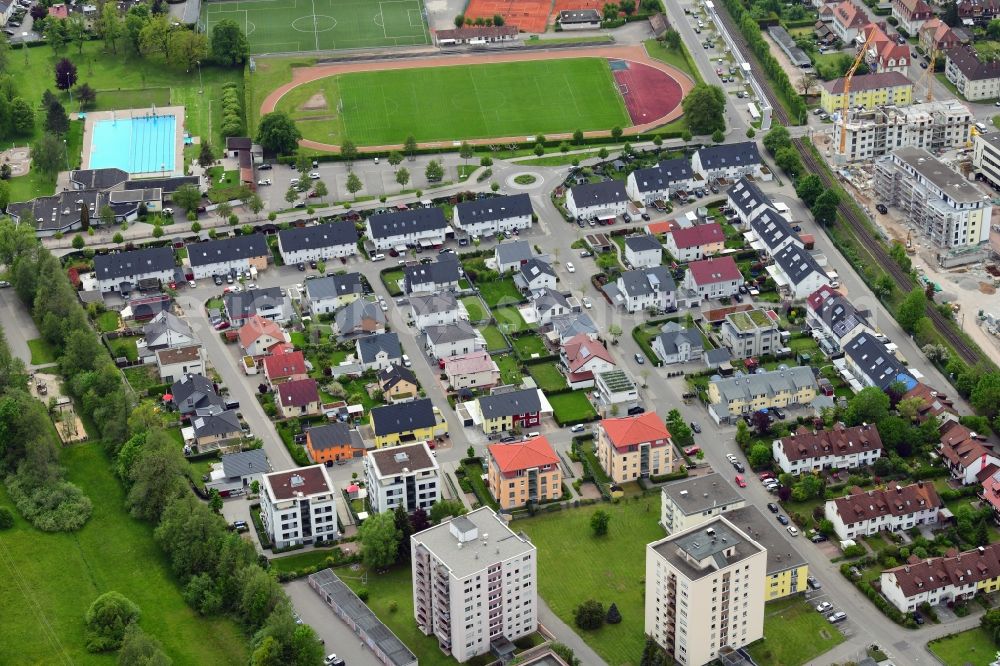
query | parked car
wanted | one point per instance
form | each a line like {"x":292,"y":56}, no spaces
{"x":222,"y":325}
{"x":818,"y":538}
{"x":739,"y":467}
{"x":839,"y":616}
{"x":882,"y":209}
{"x":508,"y":439}
{"x":824,"y":607}
{"x":730,"y":457}
{"x":695,"y":427}
{"x":586,"y":253}
{"x":570,"y":267}
{"x":263,"y":167}
{"x":813,"y":583}
{"x":314,"y":175}
{"x":782,"y":519}
{"x":918,"y":618}
{"x":577,"y":428}
{"x":378,"y":257}
{"x":586,"y":303}
{"x":772,"y":507}
{"x":764,"y":476}
{"x":793,"y":530}
{"x":640,"y":359}
{"x":333,"y":660}
{"x":740,"y":481}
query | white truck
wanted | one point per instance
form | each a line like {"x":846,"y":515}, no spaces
{"x":834,"y":278}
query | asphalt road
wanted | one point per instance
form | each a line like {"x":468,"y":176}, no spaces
{"x":337,"y":637}
{"x":18,"y":326}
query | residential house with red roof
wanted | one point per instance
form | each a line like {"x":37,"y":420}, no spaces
{"x":583,"y":358}
{"x":891,"y":509}
{"x":837,"y":448}
{"x":634,"y":447}
{"x":979,"y":12}
{"x":259,"y":336}
{"x":911,"y":14}
{"x":968,"y":455}
{"x":939,"y":580}
{"x":524,"y":472}
{"x":695,"y":242}
{"x":884,"y":53}
{"x":933,"y":403}
{"x":848,"y":20}
{"x":936,"y":35}
{"x":719,"y":277}
{"x":299,"y":397}
{"x":475,"y":370}
{"x":285,"y":367}
{"x":990,"y":493}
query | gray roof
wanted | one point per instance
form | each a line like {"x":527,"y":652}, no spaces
{"x":727,"y":155}
{"x":773,"y":229}
{"x":781,"y":554}
{"x":510,"y":403}
{"x":228,"y":249}
{"x":881,"y":366}
{"x":416,"y":220}
{"x":460,"y":330}
{"x":785,"y":41}
{"x":955,"y":186}
{"x":443,"y":271}
{"x":403,"y":417}
{"x":493,"y":209}
{"x":836,"y":311}
{"x":599,"y":194}
{"x":709,"y":541}
{"x":194,"y":392}
{"x":163,"y":322}
{"x":663,"y":175}
{"x":167,"y":185}
{"x":715,"y":357}
{"x":244,"y":304}
{"x":745,"y":196}
{"x":579,"y":16}
{"x":394,"y":460}
{"x":534,"y":268}
{"x":673,"y":334}
{"x":501,"y":543}
{"x":330,"y":435}
{"x":741,"y":386}
{"x":433,"y":303}
{"x":548,"y":299}
{"x":509,"y":252}
{"x":133,"y":262}
{"x":572,"y":324}
{"x":328,"y":585}
{"x":98,"y":179}
{"x":642,"y":281}
{"x":245,"y":463}
{"x":395,"y":374}
{"x":333,"y":286}
{"x":702,"y":493}
{"x":371,"y":345}
{"x":642,"y":243}
{"x":351,"y":315}
{"x":213,"y":422}
{"x":330,"y":234}
{"x":63,"y":209}
{"x":797,"y":263}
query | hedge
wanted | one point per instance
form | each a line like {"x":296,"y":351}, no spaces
{"x":232,"y":111}
{"x":681,"y":473}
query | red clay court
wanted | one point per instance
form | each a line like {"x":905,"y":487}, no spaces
{"x":648,"y":92}
{"x":528,"y":15}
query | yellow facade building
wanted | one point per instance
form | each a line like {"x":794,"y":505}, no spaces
{"x":868,"y":91}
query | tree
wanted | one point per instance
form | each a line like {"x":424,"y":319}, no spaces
{"x":985,"y":398}
{"x":395,"y":158}
{"x":22,"y":116}
{"x":599,"y":523}
{"x":911,"y":309}
{"x":156,"y":477}
{"x":808,"y":188}
{"x":107,"y":618}
{"x":419,"y":521}
{"x":466,"y":152}
{"x":807,"y":487}
{"x":672,"y":40}
{"x":379,"y":540}
{"x":539,"y":149}
{"x":402,"y":177}
{"x":578,"y":136}
{"x":223,"y":210}
{"x":187,"y":47}
{"x":761,"y":422}
{"x":679,"y":429}
{"x":6,"y":518}
{"x":788,"y":160}
{"x":760,"y":455}
{"x":884,"y":286}
{"x":107,"y":215}
{"x":434,"y":172}
{"x":615,"y":331}
{"x":807,"y":81}
{"x":354,"y":184}
{"x":57,"y":35}
{"x":85,"y":95}
{"x":410,"y":147}
{"x":229,"y":44}
{"x":65,"y":74}
{"x":498,"y":20}
{"x":603,"y":153}
{"x":718,"y":136}
{"x":589,"y":614}
{"x":566,"y":653}
{"x":292,"y":194}
{"x":444,"y":508}
{"x":869,"y":405}
{"x":742,"y":434}
{"x":705,"y":108}
{"x":614,"y":616}
{"x":404,"y":528}
{"x":110,"y":27}
{"x":610,"y":11}
{"x":616,"y":132}
{"x":205,"y":155}
{"x":187,"y":197}
{"x":459,"y":20}
{"x":56,"y":120}
{"x":48,"y":154}
{"x":751,"y":133}
{"x":277,"y":133}
{"x":76,"y":31}
{"x":154,"y":36}
{"x":776,"y":139}
{"x":141,"y":649}
{"x":349,"y":152}
{"x":825,"y":207}
{"x":78,"y":242}
{"x":990,"y":622}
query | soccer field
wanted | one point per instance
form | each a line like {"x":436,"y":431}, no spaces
{"x":278,"y":26}
{"x":459,"y":102}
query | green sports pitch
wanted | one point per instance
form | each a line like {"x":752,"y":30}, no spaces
{"x":281,"y":26}
{"x":512,"y":99}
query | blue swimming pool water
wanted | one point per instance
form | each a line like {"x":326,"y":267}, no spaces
{"x":137,"y":145}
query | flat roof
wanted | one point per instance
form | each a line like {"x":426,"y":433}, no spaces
{"x":716,"y":539}
{"x":948,"y":181}
{"x":306,"y":480}
{"x":701,"y":494}
{"x":781,"y":554}
{"x":473,"y":555}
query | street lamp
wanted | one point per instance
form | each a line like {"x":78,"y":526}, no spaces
{"x":66,"y":151}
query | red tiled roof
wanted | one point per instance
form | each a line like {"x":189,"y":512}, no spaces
{"x":850,"y":15}
{"x":991,"y":490}
{"x":659,"y":227}
{"x":698,"y":235}
{"x":256,"y":327}
{"x":631,"y":430}
{"x":529,"y":454}
{"x":710,"y":271}
{"x":935,"y":403}
{"x":298,"y":393}
{"x":960,"y":446}
{"x":580,"y":349}
{"x":919,"y":576}
{"x":839,"y":441}
{"x":895,"y":501}
{"x":285,"y":365}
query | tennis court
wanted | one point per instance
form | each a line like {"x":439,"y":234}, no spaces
{"x":281,"y":26}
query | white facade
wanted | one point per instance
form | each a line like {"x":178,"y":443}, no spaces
{"x":320,"y":251}
{"x":429,"y":234}
{"x":489,"y":216}
{"x":833,"y":452}
{"x":299,"y":506}
{"x":454,"y":343}
{"x":919,"y":511}
{"x":931,"y":126}
{"x":615,"y":387}
{"x":643,"y":258}
{"x":831,"y":461}
{"x":713,"y":289}
{"x":474,"y":581}
{"x":176,"y":363}
{"x":613,"y":204}
{"x":424,"y":317}
{"x":986,"y":157}
{"x":406,"y":476}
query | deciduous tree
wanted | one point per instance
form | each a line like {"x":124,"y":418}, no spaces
{"x":229,"y":44}
{"x":65,"y":74}
{"x":354,"y":184}
{"x":107,"y":618}
{"x":379,"y":540}
{"x":704,"y":107}
{"x":278,"y":134}
{"x":599,"y":523}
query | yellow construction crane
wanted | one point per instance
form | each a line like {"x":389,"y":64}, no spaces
{"x":928,"y":77}
{"x":847,"y":90}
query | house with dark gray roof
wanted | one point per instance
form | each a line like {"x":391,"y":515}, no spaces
{"x":603,"y":200}
{"x":319,"y":242}
{"x":747,"y":200}
{"x":225,"y":255}
{"x":535,"y":274}
{"x":97,"y":179}
{"x":548,"y":304}
{"x":506,"y":409}
{"x":359,"y":317}
{"x":424,"y":227}
{"x":167,"y":185}
{"x":436,"y":276}
{"x":643,"y":251}
{"x":873,"y":364}
{"x":194,"y":392}
{"x":491,"y":215}
{"x":644,"y":289}
{"x":237,"y":471}
{"x":436,"y":310}
{"x":379,"y":351}
{"x":562,"y":328}
{"x":729,"y":161}
{"x":660,"y":181}
{"x":328,"y":294}
{"x":268,"y":303}
{"x":835,"y":317}
{"x":64,"y":211}
{"x":453,"y":339}
{"x":772,"y":232}
{"x":122,"y":271}
{"x":510,"y":254}
{"x":677,"y":344}
{"x":213,"y":427}
{"x":166,"y":330}
{"x":797,"y":273}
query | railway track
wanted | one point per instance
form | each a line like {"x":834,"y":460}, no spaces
{"x":904,"y":281}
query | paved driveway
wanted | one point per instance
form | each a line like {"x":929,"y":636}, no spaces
{"x":337,"y":637}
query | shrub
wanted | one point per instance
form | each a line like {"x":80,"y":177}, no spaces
{"x":856,"y":550}
{"x":614,"y":616}
{"x":363,"y":594}
{"x":589,"y":614}
{"x":6,"y":518}
{"x":107,"y":619}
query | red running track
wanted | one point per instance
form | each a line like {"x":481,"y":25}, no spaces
{"x":648,"y":92}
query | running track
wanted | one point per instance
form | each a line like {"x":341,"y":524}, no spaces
{"x":633,"y":53}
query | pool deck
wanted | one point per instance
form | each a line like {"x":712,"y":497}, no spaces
{"x":176,"y":111}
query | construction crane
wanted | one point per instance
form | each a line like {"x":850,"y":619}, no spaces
{"x":928,"y":77}
{"x":847,"y":90}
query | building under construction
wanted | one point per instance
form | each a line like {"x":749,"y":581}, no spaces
{"x":933,"y":126}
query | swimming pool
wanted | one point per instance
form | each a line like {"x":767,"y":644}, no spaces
{"x":143,"y":144}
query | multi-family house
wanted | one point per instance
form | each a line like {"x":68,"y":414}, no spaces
{"x":453,"y":339}
{"x":227,"y":255}
{"x":740,"y":394}
{"x":177,"y":362}
{"x":884,"y":54}
{"x":548,"y":304}
{"x":534,"y":275}
{"x":298,"y":398}
{"x":634,"y":447}
{"x":839,"y":447}
{"x":747,"y":200}
{"x":328,"y":294}
{"x":332,"y":240}
{"x":503,"y":411}
{"x":968,"y":455}
{"x":644,"y":289}
{"x":771,"y":232}
{"x":891,"y":509}
{"x":942,"y":580}
{"x":423,"y":227}
{"x":833,"y":316}
{"x":872,"y":364}
{"x":268,"y":303}
{"x":510,"y":254}
{"x":405,"y":422}
{"x":525,"y":472}
{"x":615,"y":387}
{"x":124,"y":271}
{"x":604,"y":200}
{"x":695,"y":242}
{"x":299,"y":506}
{"x":797,"y":273}
{"x":867,"y":91}
{"x":976,"y":78}
{"x":728,"y":160}
{"x":398,"y":383}
{"x":848,"y":20}
{"x":751,"y":333}
{"x":332,"y":442}
{"x":403,"y":476}
{"x":438,"y":309}
{"x":359,"y":317}
{"x":678,"y":344}
{"x":433,"y":277}
{"x":259,"y":336}
{"x":717,"y":277}
{"x":583,"y":358}
{"x":491,"y":215}
{"x":936,"y":35}
{"x":658,"y":182}
{"x":643,"y":251}
{"x":475,"y":370}
{"x":285,"y":367}
{"x":379,"y":351}
{"x":911,"y":14}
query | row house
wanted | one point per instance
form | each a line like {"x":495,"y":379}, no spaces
{"x":892,"y":509}
{"x":695,"y":242}
{"x":941,"y":580}
{"x":658,"y":183}
{"x":423,"y":227}
{"x":492,"y":215}
{"x":320,"y":242}
{"x":838,"y":448}
{"x":968,"y":455}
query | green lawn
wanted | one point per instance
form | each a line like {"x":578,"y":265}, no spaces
{"x":49,"y":580}
{"x":494,"y":338}
{"x":475,"y":308}
{"x":108,"y":321}
{"x":36,"y":184}
{"x":42,"y":352}
{"x":794,"y":633}
{"x":391,"y":280}
{"x":560,"y":159}
{"x":679,"y":59}
{"x":474,"y":473}
{"x":459,"y":102}
{"x":510,"y":317}
{"x":572,"y":406}
{"x":510,"y":371}
{"x":526,"y":345}
{"x":610,"y":569}
{"x":547,"y":376}
{"x":141,"y":377}
{"x":969,"y":647}
{"x":225,"y":185}
{"x":298,"y":339}
{"x":500,"y":292}
{"x":125,"y":347}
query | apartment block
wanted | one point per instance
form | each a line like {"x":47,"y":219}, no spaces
{"x":522,"y":473}
{"x":892,"y":509}
{"x":406,"y":476}
{"x":986,"y":157}
{"x":932,"y":126}
{"x":475,"y":584}
{"x":867,"y":91}
{"x":299,"y":506}
{"x":751,"y":333}
{"x":939,"y":202}
{"x":634,"y":447}
{"x":705,"y":591}
{"x":731,"y":396}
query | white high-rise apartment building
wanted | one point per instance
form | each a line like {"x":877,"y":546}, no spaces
{"x":299,"y":506}
{"x":705,"y":591}
{"x":474,"y":584}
